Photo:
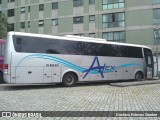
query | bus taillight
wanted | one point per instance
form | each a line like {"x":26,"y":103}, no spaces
{"x":5,"y":68}
{"x":1,"y":66}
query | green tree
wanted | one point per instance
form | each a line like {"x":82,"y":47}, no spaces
{"x":3,"y":25}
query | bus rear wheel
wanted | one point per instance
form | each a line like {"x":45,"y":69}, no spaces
{"x":139,"y":76}
{"x":69,"y":79}
{"x":1,"y":77}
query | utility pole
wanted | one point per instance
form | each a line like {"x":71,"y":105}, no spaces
{"x":157,"y":47}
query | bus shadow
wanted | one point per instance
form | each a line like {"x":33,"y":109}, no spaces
{"x":16,"y":87}
{"x":10,"y":87}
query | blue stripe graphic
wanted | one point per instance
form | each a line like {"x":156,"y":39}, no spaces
{"x":71,"y":65}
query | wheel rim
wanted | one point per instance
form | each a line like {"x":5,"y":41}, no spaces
{"x":138,"y":77}
{"x":69,"y":80}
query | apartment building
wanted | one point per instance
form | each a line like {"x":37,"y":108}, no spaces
{"x":128,"y":21}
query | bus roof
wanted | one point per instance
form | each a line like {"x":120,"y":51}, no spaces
{"x":75,"y":38}
{"x":2,"y":41}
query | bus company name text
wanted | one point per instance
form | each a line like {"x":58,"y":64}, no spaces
{"x":98,"y":67}
{"x":52,"y":65}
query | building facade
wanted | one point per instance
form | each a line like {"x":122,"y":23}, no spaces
{"x":129,"y":21}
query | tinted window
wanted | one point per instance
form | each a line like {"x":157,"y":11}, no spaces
{"x":55,"y":5}
{"x":77,"y":20}
{"x":77,"y":3}
{"x":41,"y":7}
{"x":135,"y":52}
{"x":11,"y":13}
{"x":50,"y":46}
{"x":36,"y":45}
{"x":80,"y":48}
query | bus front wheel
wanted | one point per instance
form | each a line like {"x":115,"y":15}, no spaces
{"x":139,"y":76}
{"x":69,"y":79}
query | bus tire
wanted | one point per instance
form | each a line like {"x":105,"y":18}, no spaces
{"x":139,"y":76}
{"x":69,"y":79}
{"x":1,"y":77}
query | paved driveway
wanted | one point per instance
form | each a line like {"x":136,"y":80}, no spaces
{"x":83,"y":97}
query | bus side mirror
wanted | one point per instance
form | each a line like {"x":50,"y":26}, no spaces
{"x":19,"y":41}
{"x":155,"y":59}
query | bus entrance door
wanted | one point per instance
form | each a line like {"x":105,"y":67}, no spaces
{"x":149,"y":63}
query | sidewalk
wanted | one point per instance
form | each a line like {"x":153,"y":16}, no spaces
{"x":135,"y":83}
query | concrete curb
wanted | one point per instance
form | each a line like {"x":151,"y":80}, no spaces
{"x":126,"y":84}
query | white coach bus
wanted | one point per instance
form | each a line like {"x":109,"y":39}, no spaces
{"x":35,"y":58}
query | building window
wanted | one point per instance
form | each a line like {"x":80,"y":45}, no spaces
{"x":41,"y":7}
{"x":112,"y":4}
{"x":10,"y":27}
{"x":22,"y":9}
{"x":156,"y":16}
{"x":78,"y":35}
{"x":11,"y":1}
{"x":22,"y":25}
{"x":91,"y":1}
{"x":54,"y":5}
{"x":77,"y":3}
{"x":41,"y":23}
{"x":29,"y":24}
{"x":77,"y":20}
{"x":156,"y":1}
{"x":29,"y":8}
{"x":0,"y":1}
{"x":55,"y":22}
{"x":157,"y":36}
{"x":114,"y":36}
{"x":11,"y":13}
{"x":92,"y":35}
{"x":92,"y":18}
{"x":113,"y":20}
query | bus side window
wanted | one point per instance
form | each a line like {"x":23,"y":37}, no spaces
{"x":149,"y":60}
{"x":52,"y":51}
{"x":19,"y":41}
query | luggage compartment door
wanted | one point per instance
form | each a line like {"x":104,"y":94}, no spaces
{"x":29,"y":74}
{"x":47,"y":74}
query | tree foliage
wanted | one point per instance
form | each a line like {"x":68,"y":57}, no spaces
{"x":3,"y":25}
